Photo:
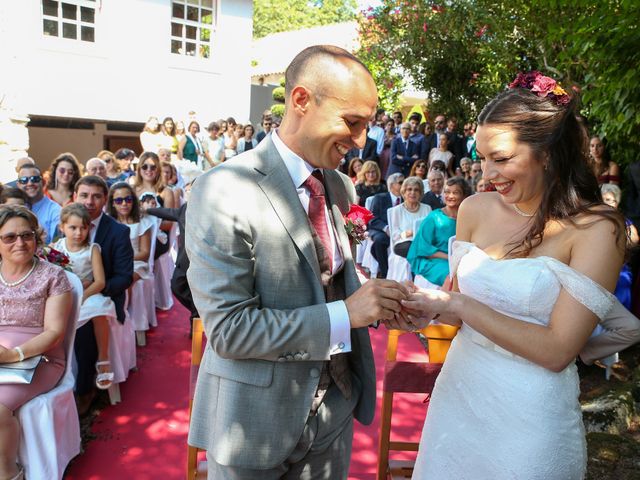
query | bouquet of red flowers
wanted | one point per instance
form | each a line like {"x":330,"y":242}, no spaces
{"x":356,"y":223}
{"x":54,"y":256}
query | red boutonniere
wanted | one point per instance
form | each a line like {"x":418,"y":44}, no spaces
{"x":56,"y":257}
{"x":356,"y":223}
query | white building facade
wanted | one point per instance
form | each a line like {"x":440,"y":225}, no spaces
{"x":88,"y":73}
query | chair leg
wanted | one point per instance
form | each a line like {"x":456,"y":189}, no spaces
{"x":114,"y":394}
{"x":141,"y":338}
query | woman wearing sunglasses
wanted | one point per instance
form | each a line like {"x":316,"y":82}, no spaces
{"x":149,"y":179}
{"x":124,"y":206}
{"x":62,"y":177}
{"x":36,"y":301}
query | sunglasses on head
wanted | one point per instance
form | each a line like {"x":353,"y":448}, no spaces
{"x":32,"y":179}
{"x":149,"y":166}
{"x":120,"y":200}
{"x":9,"y":238}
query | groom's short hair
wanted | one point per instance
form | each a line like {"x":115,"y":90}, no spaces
{"x":309,"y":57}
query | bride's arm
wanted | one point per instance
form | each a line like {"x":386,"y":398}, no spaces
{"x":555,"y":346}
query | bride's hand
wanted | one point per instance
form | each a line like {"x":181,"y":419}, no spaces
{"x":425,"y":305}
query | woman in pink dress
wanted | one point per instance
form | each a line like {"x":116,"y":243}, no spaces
{"x":35,"y":301}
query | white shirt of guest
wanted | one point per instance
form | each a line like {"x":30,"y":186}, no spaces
{"x":299,"y":170}
{"x":377,"y":133}
{"x":94,"y":228}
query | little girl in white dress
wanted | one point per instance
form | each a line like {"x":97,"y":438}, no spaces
{"x":86,"y":263}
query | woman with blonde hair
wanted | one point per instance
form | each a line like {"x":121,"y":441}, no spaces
{"x":151,"y":135}
{"x":369,"y":182}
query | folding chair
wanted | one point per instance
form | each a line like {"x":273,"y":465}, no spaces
{"x":194,"y":470}
{"x":407,"y":377}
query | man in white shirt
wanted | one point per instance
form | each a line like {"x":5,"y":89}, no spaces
{"x":376,"y":132}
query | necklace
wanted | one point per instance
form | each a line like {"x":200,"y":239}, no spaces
{"x":520,"y":212}
{"x":20,"y":280}
{"x":413,"y":209}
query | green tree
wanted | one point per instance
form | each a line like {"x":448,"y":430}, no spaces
{"x":462,"y":53}
{"x":271,"y":16}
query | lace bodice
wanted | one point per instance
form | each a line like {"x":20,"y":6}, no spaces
{"x":525,"y":288}
{"x":23,"y":305}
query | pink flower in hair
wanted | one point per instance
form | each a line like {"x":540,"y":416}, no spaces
{"x":543,"y":86}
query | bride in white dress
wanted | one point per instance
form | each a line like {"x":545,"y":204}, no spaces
{"x":532,"y":268}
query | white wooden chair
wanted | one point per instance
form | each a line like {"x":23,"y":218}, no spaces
{"x":399,"y":268}
{"x":163,"y":271}
{"x":367,"y":260}
{"x":122,"y":352}
{"x":142,"y":304}
{"x":49,"y":425}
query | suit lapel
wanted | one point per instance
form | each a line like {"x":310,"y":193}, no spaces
{"x":281,"y":192}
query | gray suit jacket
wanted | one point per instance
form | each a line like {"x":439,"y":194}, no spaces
{"x":255,"y":280}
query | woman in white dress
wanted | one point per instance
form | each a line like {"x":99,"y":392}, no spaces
{"x":86,"y":263}
{"x":533,"y":267}
{"x":124,"y":206}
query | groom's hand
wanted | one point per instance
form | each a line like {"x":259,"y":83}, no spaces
{"x":376,"y":300}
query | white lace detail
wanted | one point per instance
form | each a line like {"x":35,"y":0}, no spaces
{"x":590,"y":294}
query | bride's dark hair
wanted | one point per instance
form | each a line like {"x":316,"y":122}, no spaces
{"x":558,"y":137}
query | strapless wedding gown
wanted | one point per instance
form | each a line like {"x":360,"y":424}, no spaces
{"x":494,"y":415}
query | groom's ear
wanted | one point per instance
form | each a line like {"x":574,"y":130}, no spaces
{"x":300,"y":99}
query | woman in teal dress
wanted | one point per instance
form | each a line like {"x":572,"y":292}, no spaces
{"x":428,"y":254}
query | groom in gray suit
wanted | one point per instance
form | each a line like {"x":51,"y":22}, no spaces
{"x":288,"y":361}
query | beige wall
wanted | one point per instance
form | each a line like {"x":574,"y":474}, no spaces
{"x":48,"y":143}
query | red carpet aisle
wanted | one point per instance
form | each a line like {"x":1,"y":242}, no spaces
{"x":144,"y":437}
{"x":408,"y":410}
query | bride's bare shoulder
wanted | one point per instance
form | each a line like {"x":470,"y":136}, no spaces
{"x":480,"y":203}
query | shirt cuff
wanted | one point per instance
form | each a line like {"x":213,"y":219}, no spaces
{"x":340,"y":338}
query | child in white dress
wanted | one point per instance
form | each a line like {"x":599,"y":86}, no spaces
{"x":86,"y":263}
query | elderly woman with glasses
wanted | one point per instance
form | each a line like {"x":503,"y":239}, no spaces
{"x":407,"y":214}
{"x":35,"y":298}
{"x":114,"y":174}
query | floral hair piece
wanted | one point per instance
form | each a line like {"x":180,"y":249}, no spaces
{"x":542,"y":86}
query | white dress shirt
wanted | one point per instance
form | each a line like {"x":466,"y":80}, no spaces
{"x":94,"y":228}
{"x":377,"y":133}
{"x":299,"y":170}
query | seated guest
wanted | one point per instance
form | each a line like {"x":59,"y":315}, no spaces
{"x":429,"y":252}
{"x":62,"y":177}
{"x":47,"y":211}
{"x":170,"y":179}
{"x":378,"y":227}
{"x":124,"y":157}
{"x":21,"y":162}
{"x":117,"y":259}
{"x":420,"y":170}
{"x":14,"y":196}
{"x":179,"y":285}
{"x":443,"y":154}
{"x":369,"y":182}
{"x":369,"y":152}
{"x":407,"y":214}
{"x":124,"y":206}
{"x":354,"y":167}
{"x":465,"y":169}
{"x":611,"y":195}
{"x":404,"y":152}
{"x":97,"y":167}
{"x":434,"y":197}
{"x":114,"y":174}
{"x":247,"y":142}
{"x":86,"y":263}
{"x":36,"y":303}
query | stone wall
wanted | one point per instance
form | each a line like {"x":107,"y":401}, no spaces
{"x":14,"y":138}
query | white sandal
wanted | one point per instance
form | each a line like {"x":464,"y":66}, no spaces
{"x":104,"y":380}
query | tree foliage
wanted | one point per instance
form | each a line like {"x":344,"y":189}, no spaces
{"x":463,"y":52}
{"x":271,"y":16}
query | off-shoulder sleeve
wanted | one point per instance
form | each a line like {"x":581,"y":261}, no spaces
{"x":458,"y":250}
{"x":590,"y":294}
{"x":58,"y":283}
